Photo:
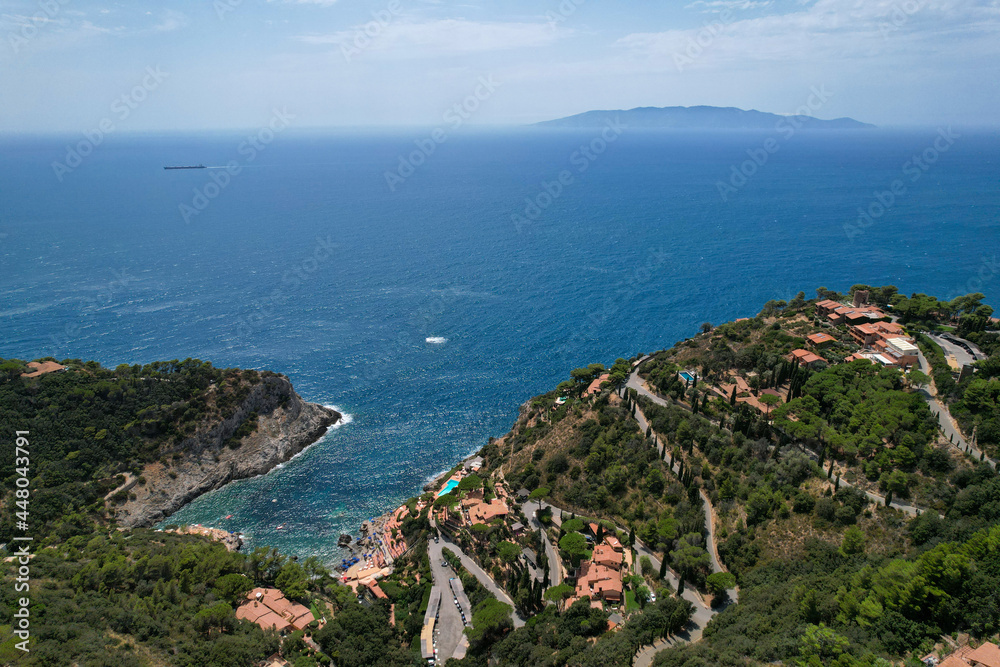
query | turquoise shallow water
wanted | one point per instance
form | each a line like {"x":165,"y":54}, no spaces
{"x":426,"y":313}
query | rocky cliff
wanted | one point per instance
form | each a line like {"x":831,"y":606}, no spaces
{"x":212,"y":457}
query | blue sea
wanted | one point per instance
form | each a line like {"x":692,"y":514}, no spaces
{"x":429,"y":308}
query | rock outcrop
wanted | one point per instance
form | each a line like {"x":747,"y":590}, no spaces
{"x":285,"y":426}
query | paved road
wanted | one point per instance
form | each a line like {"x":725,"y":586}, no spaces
{"x":962,"y":355}
{"x":706,"y":503}
{"x":450,"y":629}
{"x":477,"y":571}
{"x":555,"y":563}
{"x":947,"y":423}
{"x":635,"y":382}
{"x":702,"y":612}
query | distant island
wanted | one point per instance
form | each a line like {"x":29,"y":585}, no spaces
{"x":700,"y":118}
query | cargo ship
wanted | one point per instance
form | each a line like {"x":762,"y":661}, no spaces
{"x":195,"y":166}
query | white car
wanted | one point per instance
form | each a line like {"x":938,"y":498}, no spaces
{"x":652,"y":597}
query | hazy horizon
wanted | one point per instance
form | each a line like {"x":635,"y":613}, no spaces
{"x":71,"y":64}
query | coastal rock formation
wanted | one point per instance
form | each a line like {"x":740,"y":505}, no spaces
{"x":207,"y":461}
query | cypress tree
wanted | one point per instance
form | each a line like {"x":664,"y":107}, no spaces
{"x":888,"y":498}
{"x":836,"y":486}
{"x":663,"y":567}
{"x":680,"y":586}
{"x":732,"y":396}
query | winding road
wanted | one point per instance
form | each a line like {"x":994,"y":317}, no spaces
{"x":946,"y":422}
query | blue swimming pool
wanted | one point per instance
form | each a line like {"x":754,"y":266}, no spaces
{"x":452,"y":483}
{"x":687,"y":376}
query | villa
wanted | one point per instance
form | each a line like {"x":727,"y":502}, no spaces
{"x":268,"y":608}
{"x":987,"y":655}
{"x":486,"y":512}
{"x":806,"y":358}
{"x":600,"y":578}
{"x":595,"y":386}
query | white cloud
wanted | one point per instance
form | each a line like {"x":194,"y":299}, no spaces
{"x":170,"y":21}
{"x":441,"y":37}
{"x":715,"y":6}
{"x":827,"y":31}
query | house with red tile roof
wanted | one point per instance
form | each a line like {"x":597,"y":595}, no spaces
{"x":819,"y":340}
{"x":805,"y":357}
{"x":268,"y":608}
{"x":376,"y":590}
{"x":486,"y":512}
{"x":864,"y":334}
{"x":606,"y":556}
{"x":595,"y":386}
{"x":827,"y":306}
{"x":599,"y":582}
{"x":987,"y":655}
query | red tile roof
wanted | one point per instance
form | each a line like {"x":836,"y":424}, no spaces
{"x":987,"y":655}
{"x":595,"y":386}
{"x":806,"y":357}
{"x":268,"y":607}
{"x":820,"y":338}
{"x":606,"y":556}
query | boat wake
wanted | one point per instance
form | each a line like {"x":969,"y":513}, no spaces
{"x":436,"y":340}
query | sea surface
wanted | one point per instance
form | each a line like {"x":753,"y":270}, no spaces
{"x":428,"y":311}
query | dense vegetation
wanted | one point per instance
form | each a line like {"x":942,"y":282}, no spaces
{"x":127,"y":599}
{"x":826,"y":576}
{"x":88,"y":424}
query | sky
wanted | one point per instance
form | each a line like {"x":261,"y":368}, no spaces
{"x":68,"y":65}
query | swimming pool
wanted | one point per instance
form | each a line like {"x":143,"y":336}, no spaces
{"x":687,"y":376}
{"x":452,"y":483}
